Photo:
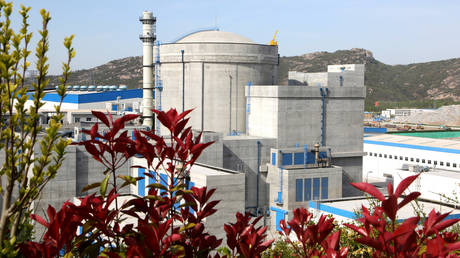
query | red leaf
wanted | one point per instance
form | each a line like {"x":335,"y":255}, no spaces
{"x":91,"y":149}
{"x":390,"y":207}
{"x":405,"y":184}
{"x":407,"y":226}
{"x":39,"y":220}
{"x":183,"y":114}
{"x":359,"y":230}
{"x":101,"y":117}
{"x":412,"y":196}
{"x":445,"y":224}
{"x":370,"y":189}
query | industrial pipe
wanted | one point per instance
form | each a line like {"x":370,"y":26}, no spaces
{"x":258,"y":175}
{"x":183,"y":81}
{"x":202,"y":97}
{"x":230,"y":113}
{"x":324,"y":94}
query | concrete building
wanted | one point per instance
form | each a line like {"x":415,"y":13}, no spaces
{"x":344,"y":210}
{"x":208,"y":71}
{"x":298,"y":175}
{"x":391,"y":158}
{"x":230,"y":185}
{"x":348,"y":75}
{"x":115,"y":99}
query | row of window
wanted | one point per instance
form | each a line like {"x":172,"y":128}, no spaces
{"x":307,"y":189}
{"x":77,"y":119}
{"x":411,"y":159}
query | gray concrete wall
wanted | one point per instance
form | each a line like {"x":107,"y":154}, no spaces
{"x":352,"y":172}
{"x":307,"y":79}
{"x":213,"y":154}
{"x":230,"y":192}
{"x":240,"y":154}
{"x":297,"y":116}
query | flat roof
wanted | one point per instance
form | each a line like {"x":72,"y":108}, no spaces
{"x":347,"y":207}
{"x":81,"y":97}
{"x":411,"y":142}
{"x":431,"y":134}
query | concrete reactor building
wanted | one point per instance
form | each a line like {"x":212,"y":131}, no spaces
{"x":208,"y":71}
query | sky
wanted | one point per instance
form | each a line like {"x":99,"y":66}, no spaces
{"x":397,"y":32}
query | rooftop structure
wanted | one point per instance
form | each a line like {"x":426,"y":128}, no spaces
{"x":393,"y":157}
{"x":344,"y":210}
{"x":75,"y":100}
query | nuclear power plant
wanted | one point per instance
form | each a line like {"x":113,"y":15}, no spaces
{"x":277,"y":147}
{"x":293,"y":143}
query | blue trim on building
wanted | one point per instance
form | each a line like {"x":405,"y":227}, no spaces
{"x":332,"y":210}
{"x":276,"y":209}
{"x":91,"y":97}
{"x":279,"y":215}
{"x":374,"y":130}
{"x":141,"y":183}
{"x":411,"y":146}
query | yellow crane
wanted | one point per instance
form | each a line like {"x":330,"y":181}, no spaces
{"x":273,"y":42}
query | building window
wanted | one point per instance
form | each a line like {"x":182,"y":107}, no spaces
{"x":417,"y":160}
{"x":316,"y":186}
{"x":406,"y":158}
{"x":412,"y":159}
{"x":423,"y":161}
{"x":324,"y":188}
{"x":299,"y":158}
{"x":287,"y":159}
{"x":441,"y":163}
{"x":77,"y":120}
{"x":448,"y":164}
{"x":385,"y":156}
{"x":370,"y":153}
{"x":400,"y":157}
{"x":435,"y":162}
{"x":454,"y":165}
{"x":299,"y":190}
{"x":307,"y":193}
{"x":391,"y":156}
{"x":396,"y":157}
{"x":380,"y":155}
{"x":375,"y":154}
{"x":88,"y":119}
{"x":429,"y":161}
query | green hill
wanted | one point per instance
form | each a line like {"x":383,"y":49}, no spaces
{"x":413,"y":85}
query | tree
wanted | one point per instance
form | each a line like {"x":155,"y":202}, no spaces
{"x":23,"y":172}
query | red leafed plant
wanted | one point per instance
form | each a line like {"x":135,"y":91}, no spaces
{"x":169,"y":220}
{"x":62,"y":229}
{"x":316,"y":239}
{"x":381,"y":231}
{"x":245,"y":237}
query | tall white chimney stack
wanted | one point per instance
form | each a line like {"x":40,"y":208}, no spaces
{"x":148,"y":38}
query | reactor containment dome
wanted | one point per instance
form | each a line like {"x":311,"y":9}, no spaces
{"x":208,"y":71}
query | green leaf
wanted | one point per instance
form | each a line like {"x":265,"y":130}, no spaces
{"x":104,"y":185}
{"x":157,"y":185}
{"x":91,"y":186}
{"x":188,"y":226}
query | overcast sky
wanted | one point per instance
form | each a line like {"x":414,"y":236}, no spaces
{"x":396,"y":31}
